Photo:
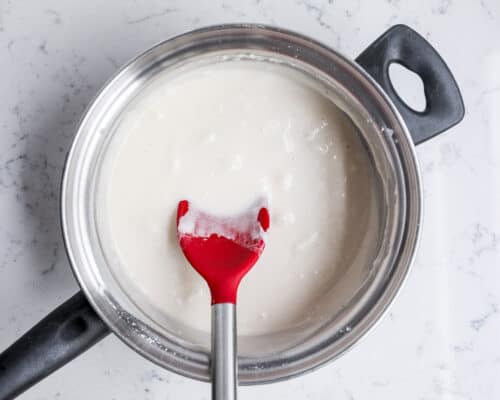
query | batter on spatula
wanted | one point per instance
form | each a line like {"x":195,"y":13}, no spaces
{"x":222,"y":249}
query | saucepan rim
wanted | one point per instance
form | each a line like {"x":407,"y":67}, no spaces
{"x":172,"y":354}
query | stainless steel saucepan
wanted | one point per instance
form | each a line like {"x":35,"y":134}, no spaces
{"x":389,"y":130}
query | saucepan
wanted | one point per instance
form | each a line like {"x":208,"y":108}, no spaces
{"x":389,"y":130}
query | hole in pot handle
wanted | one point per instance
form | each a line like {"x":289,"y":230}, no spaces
{"x":408,"y":86}
{"x":444,"y":104}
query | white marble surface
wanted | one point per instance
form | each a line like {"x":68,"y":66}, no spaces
{"x":440,"y":339}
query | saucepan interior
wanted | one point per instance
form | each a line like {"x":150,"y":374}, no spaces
{"x":356,"y":298}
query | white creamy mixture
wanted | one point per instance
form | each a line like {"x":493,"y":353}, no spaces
{"x":223,"y":136}
{"x":243,"y":228}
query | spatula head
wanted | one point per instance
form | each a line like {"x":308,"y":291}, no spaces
{"x":222,"y":249}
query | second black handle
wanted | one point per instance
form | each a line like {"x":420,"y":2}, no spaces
{"x":401,"y":44}
{"x":62,"y":335}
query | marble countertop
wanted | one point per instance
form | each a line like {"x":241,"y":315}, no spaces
{"x":440,"y":338}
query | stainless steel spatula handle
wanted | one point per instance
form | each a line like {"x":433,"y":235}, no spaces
{"x":224,"y":356}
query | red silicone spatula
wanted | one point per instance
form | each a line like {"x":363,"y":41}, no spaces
{"x":222,"y":250}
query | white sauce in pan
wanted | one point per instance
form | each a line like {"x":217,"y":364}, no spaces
{"x":223,"y":136}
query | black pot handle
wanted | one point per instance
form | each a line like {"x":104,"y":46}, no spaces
{"x":62,"y":335}
{"x":401,"y":44}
